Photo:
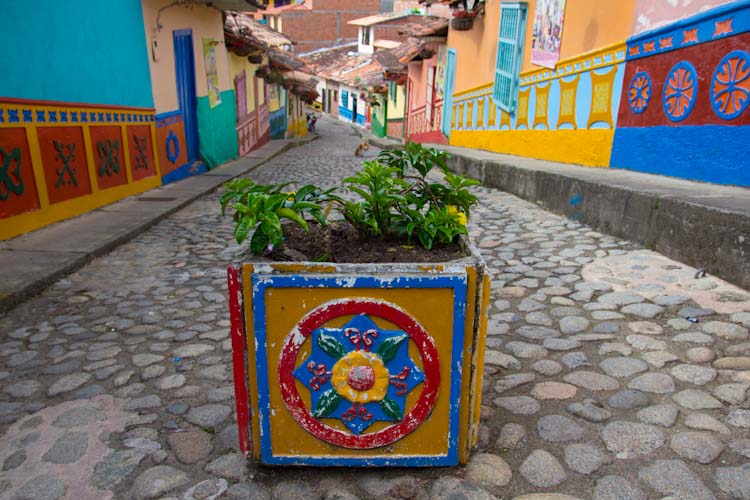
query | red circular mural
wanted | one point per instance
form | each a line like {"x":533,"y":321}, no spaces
{"x":360,"y":377}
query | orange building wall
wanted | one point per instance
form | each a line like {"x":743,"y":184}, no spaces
{"x":587,"y":25}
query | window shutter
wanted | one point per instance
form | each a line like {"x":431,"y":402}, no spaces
{"x":509,"y":54}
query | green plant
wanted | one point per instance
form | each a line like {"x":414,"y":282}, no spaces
{"x":397,"y":200}
{"x":260,"y":208}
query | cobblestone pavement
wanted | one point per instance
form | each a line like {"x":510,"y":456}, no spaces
{"x":613,"y":373}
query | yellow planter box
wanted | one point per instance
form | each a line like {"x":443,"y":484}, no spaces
{"x":359,"y":364}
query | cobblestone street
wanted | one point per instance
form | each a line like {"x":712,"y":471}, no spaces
{"x":613,"y":373}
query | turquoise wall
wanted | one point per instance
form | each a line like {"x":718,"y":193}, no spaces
{"x":216,"y":133}
{"x":86,"y":51}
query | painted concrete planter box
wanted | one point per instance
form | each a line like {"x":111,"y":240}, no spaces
{"x":359,"y":364}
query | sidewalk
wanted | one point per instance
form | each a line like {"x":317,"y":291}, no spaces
{"x":703,"y":225}
{"x":31,"y":262}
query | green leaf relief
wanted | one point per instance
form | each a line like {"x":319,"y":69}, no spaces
{"x":389,"y":347}
{"x":331,"y":346}
{"x":391,"y":408}
{"x":327,"y":403}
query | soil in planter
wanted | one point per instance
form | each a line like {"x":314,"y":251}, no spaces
{"x":342,"y":243}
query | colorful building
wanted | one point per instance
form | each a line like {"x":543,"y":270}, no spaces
{"x":684,"y":104}
{"x":192,"y":90}
{"x":76,"y":121}
{"x":116,"y":98}
{"x":583,"y":82}
{"x":317,"y":24}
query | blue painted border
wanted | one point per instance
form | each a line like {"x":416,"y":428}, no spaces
{"x":704,"y":21}
{"x":261,"y":282}
{"x":168,"y":114}
{"x":183,"y":172}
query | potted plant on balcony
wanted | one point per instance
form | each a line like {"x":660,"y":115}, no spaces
{"x":463,"y":20}
{"x":366,"y":329}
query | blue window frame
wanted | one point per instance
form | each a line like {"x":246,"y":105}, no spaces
{"x":345,"y":98}
{"x":509,"y":54}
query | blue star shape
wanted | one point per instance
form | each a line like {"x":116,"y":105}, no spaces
{"x":395,"y":366}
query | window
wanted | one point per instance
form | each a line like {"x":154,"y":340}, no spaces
{"x":509,"y":54}
{"x":345,"y":98}
{"x":392,"y":89}
{"x":366,"y":35}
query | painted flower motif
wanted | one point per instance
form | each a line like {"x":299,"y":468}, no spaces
{"x":453,"y":210}
{"x":360,"y":377}
{"x":359,"y":374}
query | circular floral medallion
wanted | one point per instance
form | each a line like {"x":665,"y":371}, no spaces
{"x":359,"y":373}
{"x":730,"y":85}
{"x":639,"y":92}
{"x":680,"y":91}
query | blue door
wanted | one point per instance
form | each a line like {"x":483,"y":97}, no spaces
{"x":450,"y":77}
{"x":186,"y":98}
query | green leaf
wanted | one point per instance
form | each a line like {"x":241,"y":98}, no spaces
{"x":391,"y":408}
{"x":389,"y":347}
{"x":327,"y":403}
{"x":258,"y":243}
{"x":244,"y":227}
{"x":331,"y":346}
{"x":290,"y":214}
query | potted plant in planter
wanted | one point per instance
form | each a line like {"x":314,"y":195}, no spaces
{"x":364,"y":315}
{"x":463,"y":20}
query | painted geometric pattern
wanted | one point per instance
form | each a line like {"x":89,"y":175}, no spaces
{"x":680,"y":91}
{"x":359,"y":374}
{"x":713,"y":24}
{"x":602,"y":68}
{"x":730,"y":85}
{"x":639,"y":92}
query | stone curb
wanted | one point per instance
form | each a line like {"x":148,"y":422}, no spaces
{"x":55,"y":271}
{"x":703,"y":225}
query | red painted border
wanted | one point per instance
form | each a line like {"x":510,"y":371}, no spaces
{"x":400,"y":318}
{"x":239,"y":342}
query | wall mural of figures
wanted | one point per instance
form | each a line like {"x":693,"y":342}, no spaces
{"x":548,"y":25}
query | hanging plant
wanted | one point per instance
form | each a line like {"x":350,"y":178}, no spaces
{"x":255,"y":58}
{"x":262,"y":72}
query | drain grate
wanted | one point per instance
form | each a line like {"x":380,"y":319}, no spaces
{"x":156,"y":198}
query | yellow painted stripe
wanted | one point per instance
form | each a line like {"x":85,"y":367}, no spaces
{"x":23,"y":223}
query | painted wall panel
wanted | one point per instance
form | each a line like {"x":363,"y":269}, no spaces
{"x":686,"y":92}
{"x":109,"y":156}
{"x":82,"y":52}
{"x":18,"y":192}
{"x":216,"y":132}
{"x":58,"y":160}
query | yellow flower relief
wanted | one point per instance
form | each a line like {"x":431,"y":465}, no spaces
{"x":453,"y":210}
{"x":360,"y":377}
{"x":291,"y":194}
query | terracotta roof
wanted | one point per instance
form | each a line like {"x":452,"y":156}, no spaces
{"x":385,"y":44}
{"x":389,"y":61}
{"x":427,"y":26}
{"x":240,"y":5}
{"x":242,"y":34}
{"x":331,"y":62}
{"x":412,"y":49}
{"x":283,"y":60}
{"x":379,"y":18}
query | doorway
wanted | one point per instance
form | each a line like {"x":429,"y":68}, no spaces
{"x":450,"y":77}
{"x":186,"y":97}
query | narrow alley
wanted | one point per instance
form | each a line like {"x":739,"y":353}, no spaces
{"x":612,"y":371}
